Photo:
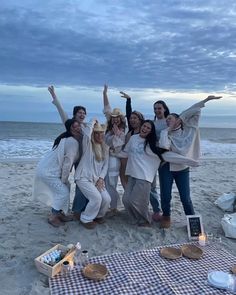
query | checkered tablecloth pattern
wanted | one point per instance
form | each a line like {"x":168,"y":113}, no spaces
{"x":145,"y":272}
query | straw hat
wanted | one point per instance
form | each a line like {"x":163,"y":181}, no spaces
{"x":116,"y":112}
{"x":99,"y":127}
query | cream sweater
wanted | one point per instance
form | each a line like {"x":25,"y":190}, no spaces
{"x":186,"y":141}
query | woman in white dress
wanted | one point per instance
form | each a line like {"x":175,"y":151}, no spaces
{"x":79,"y":114}
{"x":51,"y":184}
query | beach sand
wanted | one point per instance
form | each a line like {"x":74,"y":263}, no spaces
{"x":25,"y":233}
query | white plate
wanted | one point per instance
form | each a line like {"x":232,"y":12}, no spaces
{"x":219,"y":279}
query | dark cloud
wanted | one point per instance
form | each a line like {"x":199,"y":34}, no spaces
{"x":167,"y":44}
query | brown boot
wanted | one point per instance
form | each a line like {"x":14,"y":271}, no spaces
{"x":144,"y":224}
{"x":76,"y":216}
{"x":89,"y":225}
{"x":165,"y":222}
{"x":54,"y":220}
{"x":112,"y":212}
{"x":99,"y":220}
{"x":65,"y":218}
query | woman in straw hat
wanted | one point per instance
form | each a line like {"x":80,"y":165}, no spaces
{"x":115,"y":139}
{"x":89,"y":176}
{"x":51,"y":184}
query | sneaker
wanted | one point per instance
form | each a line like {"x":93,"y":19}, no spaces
{"x":89,"y":225}
{"x":165,"y":222}
{"x":157,"y":216}
{"x":54,"y":220}
{"x":99,"y":220}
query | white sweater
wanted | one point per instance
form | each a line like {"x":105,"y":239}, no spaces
{"x":142,"y":164}
{"x":89,"y":167}
{"x":186,"y":141}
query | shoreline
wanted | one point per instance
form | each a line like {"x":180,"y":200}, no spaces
{"x":27,"y":234}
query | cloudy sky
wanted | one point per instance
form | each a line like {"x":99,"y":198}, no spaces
{"x":179,"y":51}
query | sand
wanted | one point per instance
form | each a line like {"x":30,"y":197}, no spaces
{"x":25,"y":233}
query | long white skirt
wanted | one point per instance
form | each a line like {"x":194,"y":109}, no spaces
{"x":48,"y":187}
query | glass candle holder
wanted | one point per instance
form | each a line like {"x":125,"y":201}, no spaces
{"x":202,"y":239}
{"x":65,"y":268}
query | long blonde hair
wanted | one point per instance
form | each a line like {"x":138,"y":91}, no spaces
{"x":100,"y":149}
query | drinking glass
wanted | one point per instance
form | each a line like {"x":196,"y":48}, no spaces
{"x":210,"y":238}
{"x":218,"y":242}
{"x":84,"y":258}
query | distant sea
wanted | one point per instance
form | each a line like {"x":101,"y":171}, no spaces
{"x":30,"y":141}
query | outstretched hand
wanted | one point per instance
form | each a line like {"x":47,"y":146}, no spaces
{"x":105,"y":88}
{"x":125,"y":95}
{"x":52,"y":91}
{"x":210,"y":97}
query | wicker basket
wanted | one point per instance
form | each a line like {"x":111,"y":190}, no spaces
{"x":171,"y":253}
{"x":95,"y":271}
{"x":192,"y":251}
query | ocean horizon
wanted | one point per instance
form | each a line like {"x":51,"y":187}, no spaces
{"x":31,"y":140}
{"x":213,"y":121}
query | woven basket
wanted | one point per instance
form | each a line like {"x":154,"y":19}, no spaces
{"x":192,"y":251}
{"x":171,"y":253}
{"x":95,"y":271}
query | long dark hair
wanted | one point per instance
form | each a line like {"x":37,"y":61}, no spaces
{"x":66,"y":134}
{"x":151,"y":139}
{"x":121,"y":126}
{"x":140,"y":117}
{"x":167,"y":111}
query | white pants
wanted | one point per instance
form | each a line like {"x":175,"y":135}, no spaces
{"x":111,"y":180}
{"x":98,"y":204}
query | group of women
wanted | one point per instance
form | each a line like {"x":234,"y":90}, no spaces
{"x":101,"y":154}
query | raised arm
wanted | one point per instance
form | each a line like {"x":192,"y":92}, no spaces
{"x":211,"y":97}
{"x":105,"y":97}
{"x":56,"y":102}
{"x":128,"y":106}
{"x":191,"y":116}
{"x":107,"y":108}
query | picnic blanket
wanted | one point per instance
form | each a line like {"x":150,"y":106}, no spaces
{"x":145,"y":272}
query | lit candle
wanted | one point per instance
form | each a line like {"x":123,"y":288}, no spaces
{"x":202,"y":239}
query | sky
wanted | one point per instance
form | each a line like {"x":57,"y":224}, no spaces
{"x":177,"y":51}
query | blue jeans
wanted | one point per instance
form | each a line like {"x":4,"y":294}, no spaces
{"x":80,"y":202}
{"x":181,"y":178}
{"x":154,"y":200}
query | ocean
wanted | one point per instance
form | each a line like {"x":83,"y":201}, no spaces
{"x":30,"y":141}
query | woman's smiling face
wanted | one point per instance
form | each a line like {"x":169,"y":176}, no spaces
{"x":146,"y":128}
